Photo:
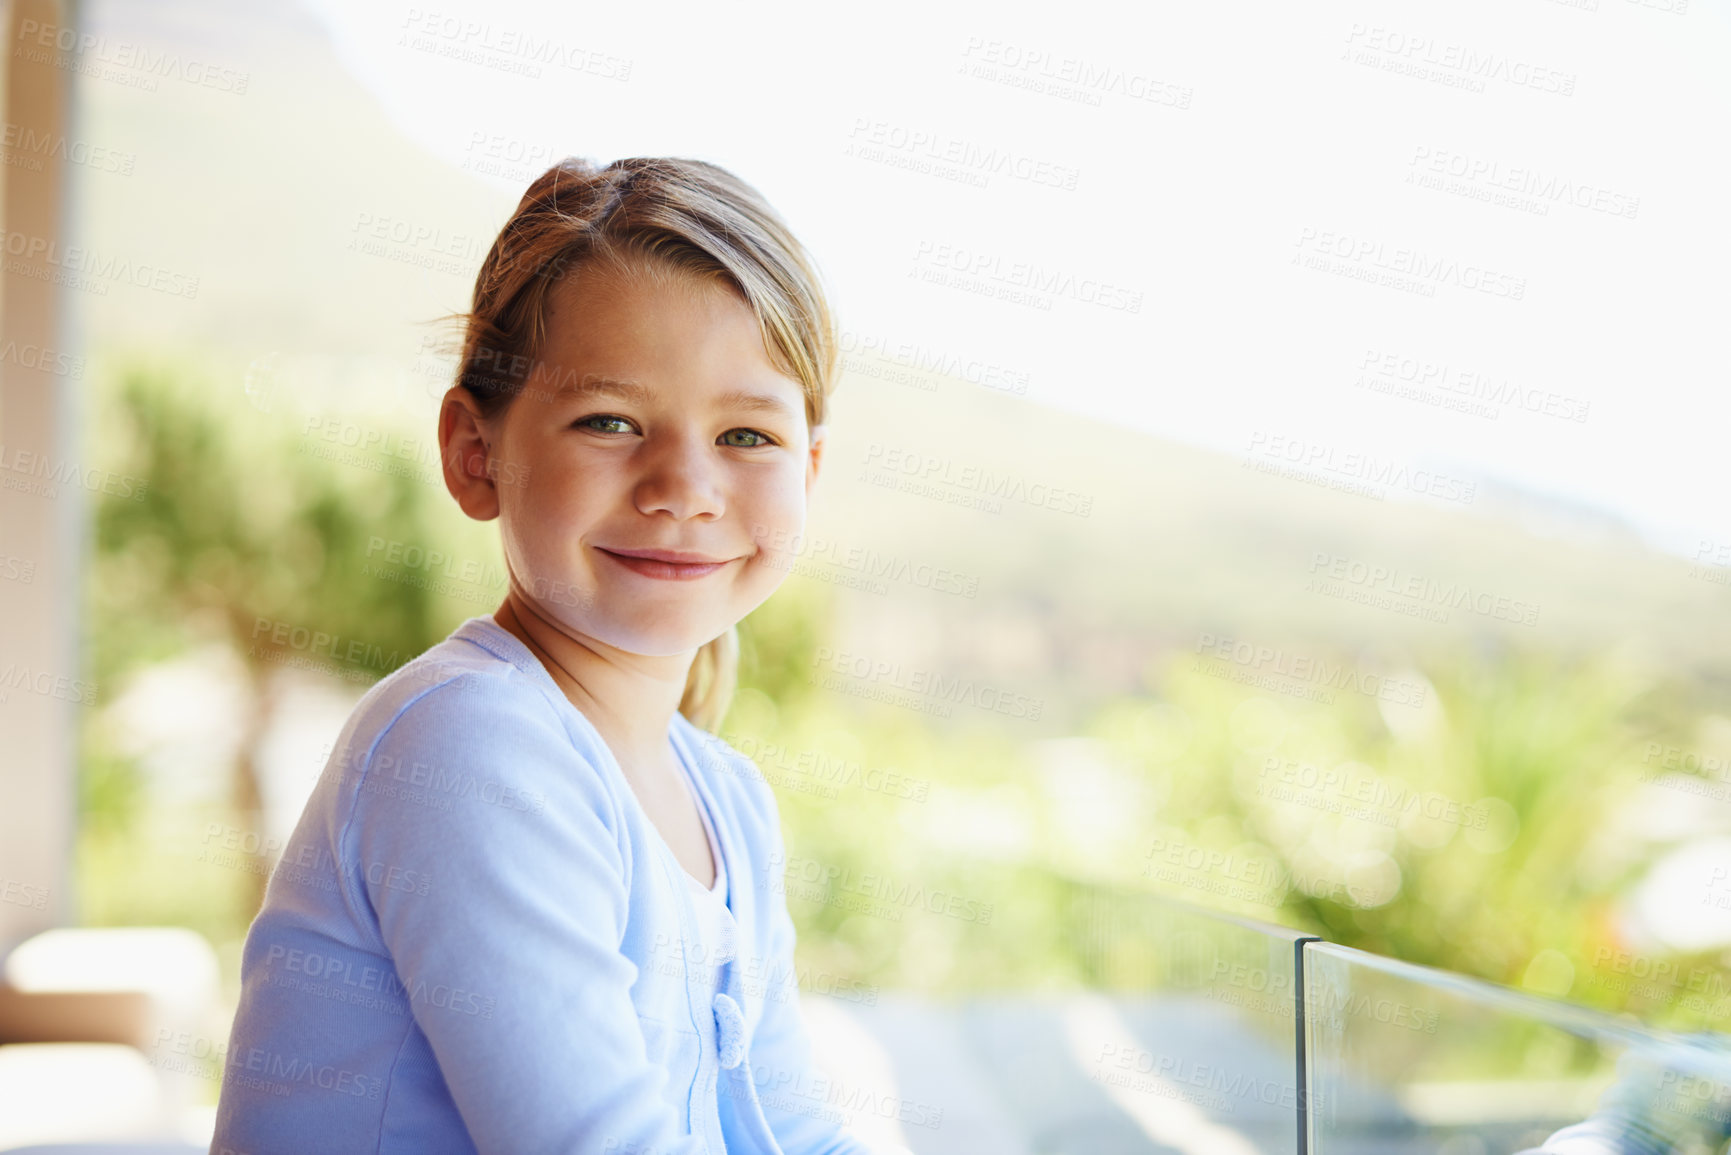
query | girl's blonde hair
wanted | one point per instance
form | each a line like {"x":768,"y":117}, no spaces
{"x":661,"y":214}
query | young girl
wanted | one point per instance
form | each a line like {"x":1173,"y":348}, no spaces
{"x":533,"y":905}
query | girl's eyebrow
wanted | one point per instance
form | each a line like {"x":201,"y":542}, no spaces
{"x":637,"y":393}
{"x":597,"y":385}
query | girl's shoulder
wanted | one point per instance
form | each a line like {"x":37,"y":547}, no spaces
{"x":479,"y":665}
{"x":478,"y":701}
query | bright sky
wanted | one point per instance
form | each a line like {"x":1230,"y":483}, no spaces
{"x":1208,"y":148}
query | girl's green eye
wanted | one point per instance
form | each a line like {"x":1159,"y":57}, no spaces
{"x":595,"y":421}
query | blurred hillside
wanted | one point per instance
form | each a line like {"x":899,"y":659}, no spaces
{"x":1177,"y":542}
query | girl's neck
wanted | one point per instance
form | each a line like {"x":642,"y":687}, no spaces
{"x":628,"y":698}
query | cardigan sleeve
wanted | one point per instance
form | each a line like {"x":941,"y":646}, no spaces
{"x":793,"y":1090}
{"x":501,"y":898}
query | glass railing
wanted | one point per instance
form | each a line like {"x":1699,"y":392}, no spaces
{"x":1206,"y":1033}
{"x":1404,"y":1058}
{"x":1194,"y":1033}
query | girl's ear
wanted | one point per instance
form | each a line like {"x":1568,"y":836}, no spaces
{"x":465,"y":451}
{"x":818,"y":432}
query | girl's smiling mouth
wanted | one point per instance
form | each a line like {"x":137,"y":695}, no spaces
{"x":666,"y":564}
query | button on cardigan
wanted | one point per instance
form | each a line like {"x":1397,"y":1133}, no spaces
{"x":475,"y":942}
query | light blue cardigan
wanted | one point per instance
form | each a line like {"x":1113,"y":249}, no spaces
{"x":472,"y":943}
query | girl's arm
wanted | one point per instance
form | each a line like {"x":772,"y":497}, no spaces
{"x":499,"y":892}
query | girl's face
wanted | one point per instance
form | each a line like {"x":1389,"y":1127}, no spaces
{"x":654,"y":423}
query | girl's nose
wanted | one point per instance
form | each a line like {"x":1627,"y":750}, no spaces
{"x":679,"y":475}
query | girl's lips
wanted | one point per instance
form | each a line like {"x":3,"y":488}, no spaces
{"x":665,"y":570}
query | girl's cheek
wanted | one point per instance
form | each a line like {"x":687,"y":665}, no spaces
{"x":783,"y":494}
